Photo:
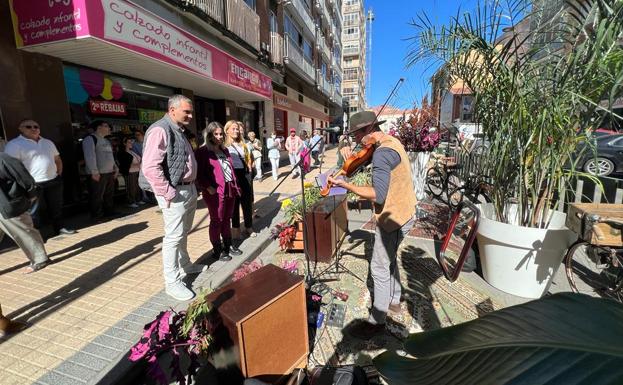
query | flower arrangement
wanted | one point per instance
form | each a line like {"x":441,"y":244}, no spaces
{"x":189,"y":331}
{"x":418,"y":132}
{"x":292,"y":208}
{"x":246,"y":269}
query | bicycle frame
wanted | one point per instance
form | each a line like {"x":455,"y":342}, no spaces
{"x":441,"y":257}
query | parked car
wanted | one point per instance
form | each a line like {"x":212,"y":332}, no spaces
{"x":607,"y":158}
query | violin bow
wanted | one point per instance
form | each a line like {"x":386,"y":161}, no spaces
{"x":376,"y":118}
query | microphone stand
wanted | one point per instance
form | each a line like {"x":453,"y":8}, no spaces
{"x":308,"y":276}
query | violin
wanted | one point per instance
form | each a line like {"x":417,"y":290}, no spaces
{"x":353,"y":163}
{"x":363,"y":156}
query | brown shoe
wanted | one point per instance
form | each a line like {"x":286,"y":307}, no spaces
{"x":366,"y":330}
{"x":9,"y":327}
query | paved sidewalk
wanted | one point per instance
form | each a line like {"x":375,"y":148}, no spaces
{"x":89,"y":306}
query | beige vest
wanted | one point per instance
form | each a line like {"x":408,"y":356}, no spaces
{"x":399,"y":205}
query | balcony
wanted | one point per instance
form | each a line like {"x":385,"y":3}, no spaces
{"x":300,"y":12}
{"x":320,"y":5}
{"x":337,"y":65}
{"x":241,"y":20}
{"x":293,"y":58}
{"x":276,"y":48}
{"x":322,"y":84}
{"x":212,"y":8}
{"x":350,"y":37}
{"x":351,"y":51}
{"x":321,"y":45}
{"x":337,"y":96}
{"x":244,"y":22}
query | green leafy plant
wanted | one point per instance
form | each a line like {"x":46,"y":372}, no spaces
{"x":562,"y":339}
{"x":541,"y":73}
{"x":362,"y":178}
{"x":293,"y":208}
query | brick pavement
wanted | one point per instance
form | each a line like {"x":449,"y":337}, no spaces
{"x":89,"y":306}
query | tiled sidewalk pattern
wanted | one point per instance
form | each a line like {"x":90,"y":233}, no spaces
{"x":91,"y":302}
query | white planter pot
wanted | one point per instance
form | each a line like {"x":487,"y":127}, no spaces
{"x":419,"y":162}
{"x":520,"y":260}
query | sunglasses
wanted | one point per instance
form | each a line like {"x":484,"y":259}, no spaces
{"x":35,"y":127}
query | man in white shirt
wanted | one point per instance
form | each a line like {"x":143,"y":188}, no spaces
{"x":43,"y":162}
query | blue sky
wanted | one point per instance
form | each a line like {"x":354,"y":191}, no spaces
{"x":390,"y":29}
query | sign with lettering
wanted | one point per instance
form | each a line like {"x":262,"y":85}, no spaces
{"x":48,"y":21}
{"x":147,"y":116}
{"x":105,"y":107}
{"x":127,"y":25}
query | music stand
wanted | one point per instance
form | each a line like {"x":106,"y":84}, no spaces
{"x":308,"y":277}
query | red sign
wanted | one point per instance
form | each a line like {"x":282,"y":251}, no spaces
{"x":104,"y":107}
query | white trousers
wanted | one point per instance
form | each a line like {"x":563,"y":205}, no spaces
{"x":178,"y":220}
{"x":294,"y":159}
{"x":274,"y":163}
{"x":22,"y":231}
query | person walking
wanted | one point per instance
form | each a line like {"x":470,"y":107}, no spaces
{"x":169,"y":170}
{"x":274,"y":145}
{"x":100,"y":165}
{"x":242,"y":170}
{"x":316,"y":144}
{"x":256,"y":152}
{"x":394,"y":207}
{"x":217,"y":182}
{"x":17,"y":192}
{"x":294,"y":145}
{"x":42,"y":160}
{"x":129,"y":167}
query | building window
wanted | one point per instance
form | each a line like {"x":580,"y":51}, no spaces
{"x":272,"y":20}
{"x":250,"y":3}
{"x":307,"y":50}
{"x":292,"y":30}
{"x":467,"y":108}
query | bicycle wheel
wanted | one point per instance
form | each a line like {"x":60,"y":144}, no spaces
{"x":594,"y":270}
{"x":455,"y":196}
{"x":434,"y":182}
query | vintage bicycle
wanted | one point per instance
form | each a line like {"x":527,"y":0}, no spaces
{"x":594,"y":264}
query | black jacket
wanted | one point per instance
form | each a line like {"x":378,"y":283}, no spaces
{"x":17,"y":187}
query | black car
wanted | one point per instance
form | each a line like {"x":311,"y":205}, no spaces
{"x":607,"y":158}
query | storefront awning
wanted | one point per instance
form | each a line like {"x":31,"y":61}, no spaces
{"x":121,"y":37}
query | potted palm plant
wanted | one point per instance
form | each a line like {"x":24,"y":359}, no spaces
{"x":540,"y":73}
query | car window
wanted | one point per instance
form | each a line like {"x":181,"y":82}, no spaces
{"x":617,"y":142}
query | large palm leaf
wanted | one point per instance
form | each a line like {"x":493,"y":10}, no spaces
{"x":563,"y":339}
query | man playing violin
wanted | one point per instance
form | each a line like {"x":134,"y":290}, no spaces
{"x":394,"y":209}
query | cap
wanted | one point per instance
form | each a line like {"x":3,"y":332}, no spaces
{"x":292,"y":129}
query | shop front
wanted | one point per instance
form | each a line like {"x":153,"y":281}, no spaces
{"x":289,"y":113}
{"x":120,"y":63}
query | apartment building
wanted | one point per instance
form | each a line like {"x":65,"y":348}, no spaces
{"x":271,"y":64}
{"x":354,"y":54}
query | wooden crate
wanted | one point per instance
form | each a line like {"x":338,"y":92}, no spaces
{"x":576,"y":221}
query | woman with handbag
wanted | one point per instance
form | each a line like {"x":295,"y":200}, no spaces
{"x":217,"y":182}
{"x":256,"y":151}
{"x":241,"y":158}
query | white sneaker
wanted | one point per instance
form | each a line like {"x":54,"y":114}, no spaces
{"x":179,"y":291}
{"x":193,"y":269}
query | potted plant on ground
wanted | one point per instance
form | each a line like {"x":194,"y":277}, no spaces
{"x":290,"y":232}
{"x":539,"y":71}
{"x":419,"y":135}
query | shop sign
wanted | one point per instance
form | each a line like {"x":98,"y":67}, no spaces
{"x":126,"y":25}
{"x":282,"y":101}
{"x":146,"y":116}
{"x":48,"y":21}
{"x":105,"y":107}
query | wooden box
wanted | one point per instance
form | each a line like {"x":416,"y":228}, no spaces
{"x":576,"y":221}
{"x":264,"y":330}
{"x":327,"y":225}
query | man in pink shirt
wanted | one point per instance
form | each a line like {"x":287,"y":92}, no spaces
{"x":169,"y":170}
{"x":294,"y":144}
